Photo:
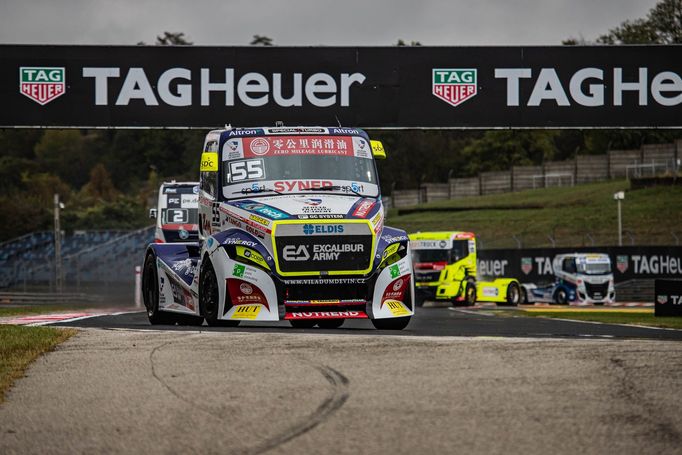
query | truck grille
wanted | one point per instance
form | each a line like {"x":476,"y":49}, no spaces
{"x":427,"y":277}
{"x":597,"y":291}
{"x":315,"y":247}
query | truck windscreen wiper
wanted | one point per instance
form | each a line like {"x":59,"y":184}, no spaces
{"x":338,"y":188}
{"x":259,"y":190}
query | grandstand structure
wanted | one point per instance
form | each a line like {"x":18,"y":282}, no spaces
{"x":93,"y":261}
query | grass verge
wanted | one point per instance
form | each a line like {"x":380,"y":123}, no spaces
{"x":19,"y":346}
{"x":636,"y":317}
{"x":570,"y":216}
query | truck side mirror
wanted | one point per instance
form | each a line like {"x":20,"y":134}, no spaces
{"x":152,"y":213}
{"x":378,"y":150}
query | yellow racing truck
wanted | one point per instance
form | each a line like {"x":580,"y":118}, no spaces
{"x":444,"y":265}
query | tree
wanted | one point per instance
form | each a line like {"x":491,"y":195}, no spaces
{"x":100,"y":186}
{"x":260,"y":40}
{"x":403,"y":43}
{"x":662,"y":25}
{"x":172,"y":39}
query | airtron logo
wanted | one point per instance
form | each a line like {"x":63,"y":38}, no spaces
{"x":309,"y":229}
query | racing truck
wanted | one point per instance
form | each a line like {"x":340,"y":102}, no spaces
{"x":445,"y":269}
{"x":580,"y":279}
{"x":177,"y":212}
{"x":291,"y":227}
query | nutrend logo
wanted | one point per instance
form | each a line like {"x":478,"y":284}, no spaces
{"x":454,"y":85}
{"x":42,"y":84}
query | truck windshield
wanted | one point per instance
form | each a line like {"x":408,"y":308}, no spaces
{"x":595,"y":268}
{"x":298,"y":164}
{"x":430,"y":256}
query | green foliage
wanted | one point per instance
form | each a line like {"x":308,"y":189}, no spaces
{"x":260,"y":40}
{"x":570,"y":215}
{"x":662,"y":25}
{"x":123,"y":213}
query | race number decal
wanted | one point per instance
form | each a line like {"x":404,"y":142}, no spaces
{"x":241,"y":171}
{"x":176,"y":216}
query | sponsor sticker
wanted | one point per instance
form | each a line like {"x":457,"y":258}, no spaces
{"x":238,"y":270}
{"x":300,"y":145}
{"x":209,"y":162}
{"x":454,"y":85}
{"x":246,"y":312}
{"x":364,"y":208}
{"x":397,"y":308}
{"x":42,"y":84}
{"x":395,"y":271}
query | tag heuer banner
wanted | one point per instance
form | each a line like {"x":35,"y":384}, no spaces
{"x":371,"y":87}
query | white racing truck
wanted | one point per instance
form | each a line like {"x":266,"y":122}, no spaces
{"x":291,"y":227}
{"x":177,"y":212}
{"x":580,"y":279}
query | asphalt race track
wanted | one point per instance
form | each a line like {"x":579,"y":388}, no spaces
{"x":454,"y":382}
{"x":433,"y":321}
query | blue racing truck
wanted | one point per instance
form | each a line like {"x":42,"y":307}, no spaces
{"x":580,"y":279}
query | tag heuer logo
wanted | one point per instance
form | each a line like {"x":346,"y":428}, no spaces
{"x":42,"y":84}
{"x":454,"y":86}
{"x":622,"y":263}
{"x":662,"y":299}
{"x":527,"y":265}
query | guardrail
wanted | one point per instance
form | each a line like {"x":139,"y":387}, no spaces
{"x":47,"y":298}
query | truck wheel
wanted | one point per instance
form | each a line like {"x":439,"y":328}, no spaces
{"x":208,"y":296}
{"x":150,"y":293}
{"x":419,"y":300}
{"x":561,"y":297}
{"x":513,"y":294}
{"x":302,"y":323}
{"x":524,"y":296}
{"x":391,"y":323}
{"x":470,"y":294}
{"x":330,"y":323}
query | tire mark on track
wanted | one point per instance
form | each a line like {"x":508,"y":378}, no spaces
{"x":330,"y":405}
{"x":338,"y":396}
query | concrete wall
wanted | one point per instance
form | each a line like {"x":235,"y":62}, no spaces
{"x":495,"y":182}
{"x":559,"y":173}
{"x":405,"y":198}
{"x":522,"y":177}
{"x":435,"y":191}
{"x":464,"y":187}
{"x":592,"y":168}
{"x":618,"y":159}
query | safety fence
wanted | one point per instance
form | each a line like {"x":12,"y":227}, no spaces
{"x":92,"y":262}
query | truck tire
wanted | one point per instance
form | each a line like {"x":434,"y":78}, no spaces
{"x":419,"y":300}
{"x":470,"y":294}
{"x":391,"y":323}
{"x":208,"y":296}
{"x":513,"y":294}
{"x":150,"y":293}
{"x":524,"y":295}
{"x":560,"y":296}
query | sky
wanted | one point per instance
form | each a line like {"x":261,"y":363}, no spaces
{"x":314,"y":22}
